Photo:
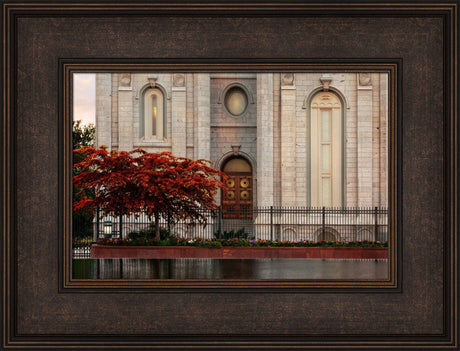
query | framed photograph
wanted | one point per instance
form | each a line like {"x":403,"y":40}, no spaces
{"x":230,"y":176}
{"x":284,"y":211}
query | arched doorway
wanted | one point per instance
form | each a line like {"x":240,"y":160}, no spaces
{"x":238,"y":198}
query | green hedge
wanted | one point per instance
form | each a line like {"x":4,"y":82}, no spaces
{"x":175,"y":241}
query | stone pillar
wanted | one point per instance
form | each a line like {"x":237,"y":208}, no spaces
{"x":202,"y":109}
{"x":178,"y":116}
{"x":288,"y":138}
{"x":125,"y":113}
{"x":265,"y":139}
{"x":384,"y":124}
{"x":276,"y":140}
{"x":364,"y":128}
{"x":104,"y":109}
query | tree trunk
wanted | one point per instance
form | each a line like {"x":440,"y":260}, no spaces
{"x":157,"y":226}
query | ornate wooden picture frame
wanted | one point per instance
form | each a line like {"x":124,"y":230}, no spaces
{"x":417,"y":43}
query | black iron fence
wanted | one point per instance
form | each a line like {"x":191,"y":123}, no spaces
{"x":273,"y":223}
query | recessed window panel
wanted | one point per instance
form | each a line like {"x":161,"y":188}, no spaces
{"x":152,"y":124}
{"x":236,"y":101}
{"x":326,"y":158}
{"x":237,"y":165}
{"x":325,"y":125}
{"x":326,"y":191}
{"x":154,"y":114}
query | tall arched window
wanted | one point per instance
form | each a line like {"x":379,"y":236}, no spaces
{"x":326,"y":150}
{"x":153,"y":121}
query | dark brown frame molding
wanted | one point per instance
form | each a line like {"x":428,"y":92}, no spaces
{"x":416,"y":43}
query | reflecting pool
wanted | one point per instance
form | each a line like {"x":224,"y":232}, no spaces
{"x":207,"y":268}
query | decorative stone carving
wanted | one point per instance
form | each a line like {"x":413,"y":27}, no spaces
{"x":365,"y":79}
{"x":125,"y":80}
{"x":236,"y":149}
{"x":152,"y":81}
{"x":179,"y":80}
{"x":287,"y":79}
{"x":326,"y":80}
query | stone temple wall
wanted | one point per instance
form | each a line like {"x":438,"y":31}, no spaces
{"x":273,"y":133}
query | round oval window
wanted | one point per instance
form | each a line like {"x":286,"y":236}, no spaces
{"x":236,"y":101}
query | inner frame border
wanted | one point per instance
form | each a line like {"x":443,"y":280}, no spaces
{"x":69,"y":66}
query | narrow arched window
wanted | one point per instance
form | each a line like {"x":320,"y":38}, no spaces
{"x":326,"y":150}
{"x":153,"y":124}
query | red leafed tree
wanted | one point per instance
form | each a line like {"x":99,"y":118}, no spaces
{"x":127,"y":183}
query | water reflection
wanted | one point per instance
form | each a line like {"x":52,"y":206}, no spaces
{"x":207,"y":268}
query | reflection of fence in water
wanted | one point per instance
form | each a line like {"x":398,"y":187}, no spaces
{"x":275,"y":223}
{"x":81,"y":251}
{"x":136,"y":268}
{"x":206,"y":268}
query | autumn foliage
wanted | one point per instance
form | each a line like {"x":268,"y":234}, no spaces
{"x":129,"y":183}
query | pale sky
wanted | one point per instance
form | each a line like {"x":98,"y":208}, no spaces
{"x":84,"y":97}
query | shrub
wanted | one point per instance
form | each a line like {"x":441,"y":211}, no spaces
{"x":149,"y":233}
{"x":240,"y":234}
{"x":79,"y":242}
{"x":210,"y":243}
{"x":82,"y":224}
{"x":236,"y":242}
{"x":175,"y":241}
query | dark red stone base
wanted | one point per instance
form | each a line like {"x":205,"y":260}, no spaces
{"x":105,"y":251}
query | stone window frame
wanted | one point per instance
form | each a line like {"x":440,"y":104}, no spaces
{"x":245,"y":89}
{"x":142,"y":117}
{"x":344,"y":106}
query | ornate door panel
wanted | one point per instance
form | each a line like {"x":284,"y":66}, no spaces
{"x":237,"y":199}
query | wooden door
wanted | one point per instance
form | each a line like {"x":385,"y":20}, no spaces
{"x":238,"y":198}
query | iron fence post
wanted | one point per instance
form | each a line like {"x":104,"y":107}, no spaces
{"x":169,"y":223}
{"x":97,"y":223}
{"x":271,"y":223}
{"x":375,"y":223}
{"x":323,"y":222}
{"x":219,"y":222}
{"x":120,"y":229}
